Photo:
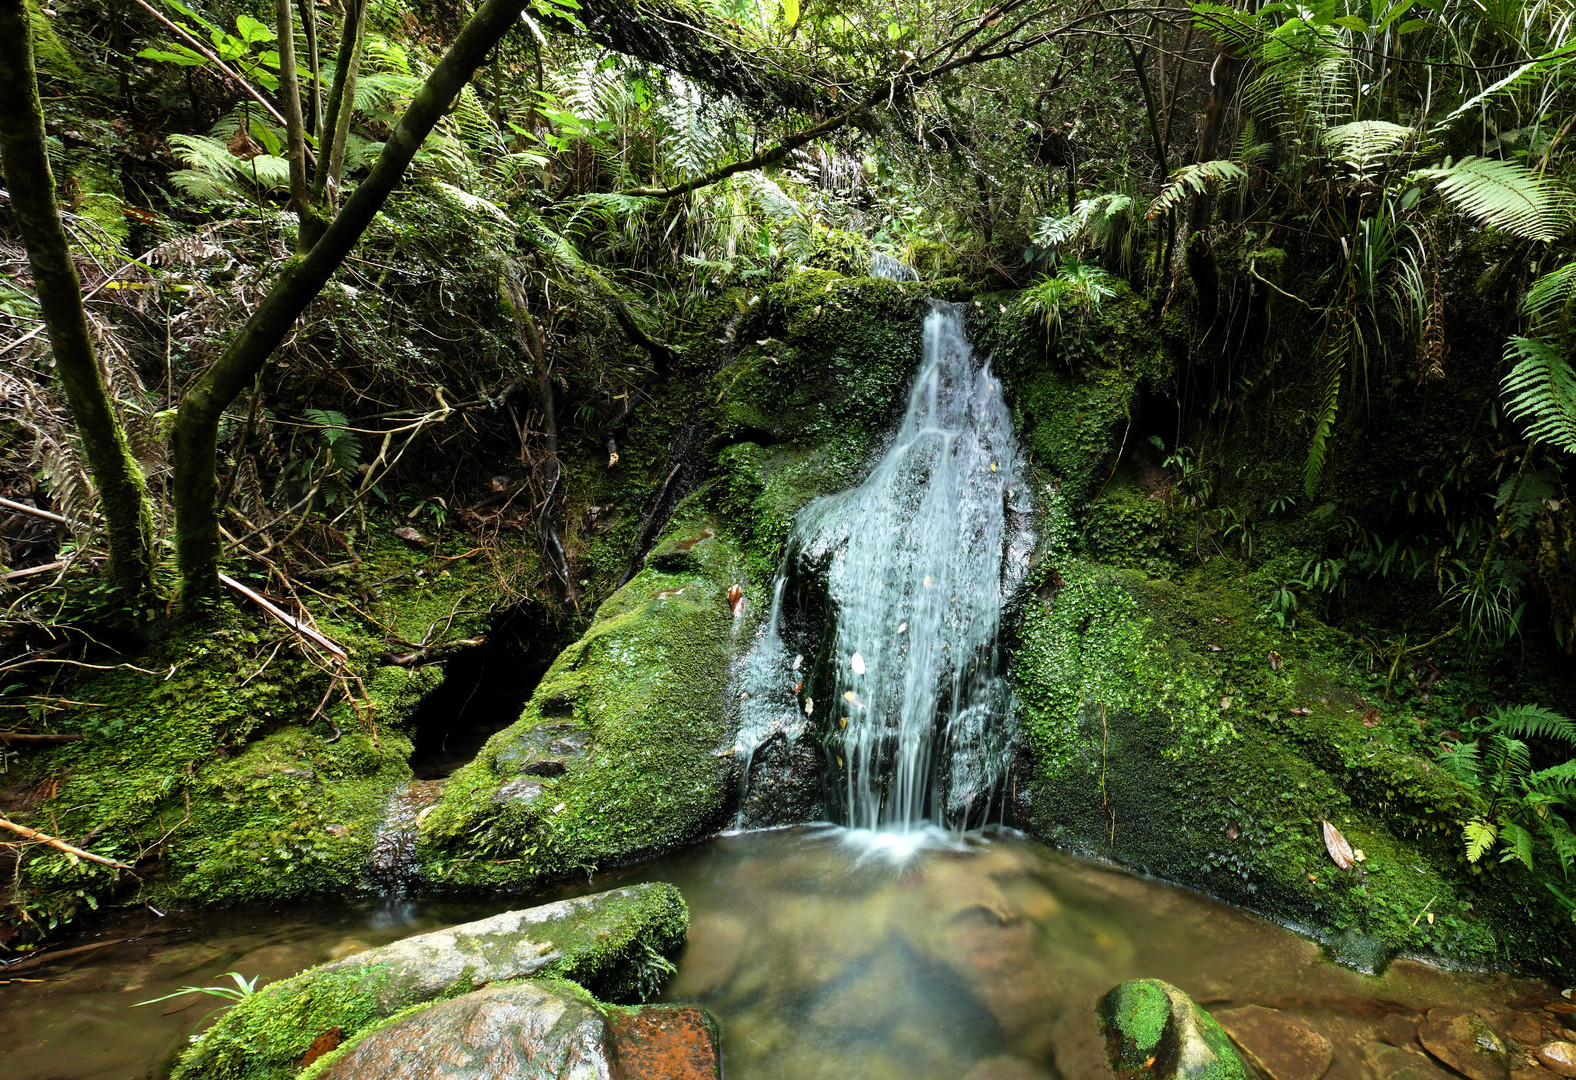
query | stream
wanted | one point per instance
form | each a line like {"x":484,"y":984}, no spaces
{"x":823,"y":952}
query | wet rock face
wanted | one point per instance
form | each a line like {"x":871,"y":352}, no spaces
{"x":1277,"y":1045}
{"x":1558,"y":1057}
{"x":514,"y":1031}
{"x":599,"y":940}
{"x":1153,"y":1030}
{"x":1466,"y":1043}
{"x":666,"y":1042}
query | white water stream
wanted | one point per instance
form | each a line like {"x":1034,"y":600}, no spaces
{"x":882,"y":639}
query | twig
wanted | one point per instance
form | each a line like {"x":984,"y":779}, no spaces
{"x":18,"y":736}
{"x":15,"y":575}
{"x":70,"y":849}
{"x":36,"y":512}
{"x":328,"y":646}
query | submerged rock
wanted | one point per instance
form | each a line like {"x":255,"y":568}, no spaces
{"x":666,"y":1042}
{"x":606,"y":941}
{"x":1466,"y":1043}
{"x":1153,"y":1030}
{"x":1559,"y":1057}
{"x":1277,"y":1045}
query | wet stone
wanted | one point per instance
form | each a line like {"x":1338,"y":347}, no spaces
{"x":666,"y":1042}
{"x":1278,"y":1046}
{"x":1558,"y":1057}
{"x":503,"y":1032}
{"x":545,"y":767}
{"x":517,"y":790}
{"x":1155,"y":1031}
{"x":1004,"y":1067}
{"x":1466,"y":1043}
{"x":1525,"y":1029}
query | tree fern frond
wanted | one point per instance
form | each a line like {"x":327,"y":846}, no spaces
{"x":1192,"y":180}
{"x":1503,"y":195}
{"x":1540,"y":391}
{"x":204,"y":154}
{"x":1364,"y":146}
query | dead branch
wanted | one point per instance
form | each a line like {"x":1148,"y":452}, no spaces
{"x":332,"y":648}
{"x":60,"y":845}
{"x":29,"y":737}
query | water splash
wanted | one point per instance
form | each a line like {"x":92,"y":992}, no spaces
{"x":882,"y":638}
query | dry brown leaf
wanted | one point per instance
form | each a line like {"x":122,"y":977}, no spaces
{"x":736,"y":600}
{"x":1231,"y":831}
{"x":405,"y":532}
{"x":1340,"y":851}
{"x":1300,"y":711}
{"x":1275,"y":660}
{"x":1370,"y":718}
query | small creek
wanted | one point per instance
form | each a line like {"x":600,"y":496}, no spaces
{"x":823,"y":952}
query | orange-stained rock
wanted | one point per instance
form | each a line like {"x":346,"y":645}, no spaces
{"x":666,"y":1042}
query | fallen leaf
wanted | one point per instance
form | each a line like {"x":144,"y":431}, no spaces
{"x":809,"y":706}
{"x":612,"y":458}
{"x":1430,"y":918}
{"x":927,"y":581}
{"x":1313,"y":877}
{"x":1370,"y":718}
{"x":901,"y":627}
{"x":1149,"y":1064}
{"x":1225,"y":703}
{"x":1358,"y":856}
{"x":853,"y":699}
{"x":798,"y":686}
{"x":1220,"y":620}
{"x":736,"y":600}
{"x":1299,"y":711}
{"x":405,"y":532}
{"x":1231,"y":831}
{"x":797,"y":661}
{"x":843,"y":722}
{"x":1275,"y":660}
{"x":1212,"y":647}
{"x":857,"y":662}
{"x":1340,"y":851}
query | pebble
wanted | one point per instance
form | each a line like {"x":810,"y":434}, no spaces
{"x":1559,"y":1057}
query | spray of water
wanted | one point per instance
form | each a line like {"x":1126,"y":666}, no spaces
{"x":882,"y":639}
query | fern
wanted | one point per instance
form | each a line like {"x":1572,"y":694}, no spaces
{"x":1550,"y":300}
{"x":1518,"y":844}
{"x":1533,"y":722}
{"x":1337,"y":346}
{"x":1540,"y":391}
{"x":1502,"y":195}
{"x":1461,"y":761}
{"x":1480,"y":836}
{"x":1365,"y":147}
{"x":1191,"y":180}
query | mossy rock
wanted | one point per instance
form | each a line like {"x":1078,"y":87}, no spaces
{"x":621,"y":751}
{"x":1153,"y":1030}
{"x":1161,"y":732}
{"x":611,"y":943}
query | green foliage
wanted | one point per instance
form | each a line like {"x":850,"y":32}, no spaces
{"x":1528,"y":810}
{"x":1503,"y":195}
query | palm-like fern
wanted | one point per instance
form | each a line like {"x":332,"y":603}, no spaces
{"x":1191,"y":180}
{"x":1540,"y":391}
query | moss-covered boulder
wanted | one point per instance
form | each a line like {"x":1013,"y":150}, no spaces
{"x":539,"y":1029}
{"x":622,"y":749}
{"x":1169,"y":728}
{"x":612,"y":943}
{"x":1153,"y":1030}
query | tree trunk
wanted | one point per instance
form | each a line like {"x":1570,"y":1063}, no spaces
{"x":197,"y":547}
{"x":323,"y":198}
{"x":123,"y":491}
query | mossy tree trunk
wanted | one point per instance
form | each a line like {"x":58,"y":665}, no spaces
{"x":195,"y":485}
{"x":123,"y":491}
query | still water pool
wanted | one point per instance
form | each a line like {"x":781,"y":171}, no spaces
{"x":824,"y":953}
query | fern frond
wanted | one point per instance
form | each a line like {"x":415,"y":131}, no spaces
{"x":1461,"y":761}
{"x":206,"y":155}
{"x":1518,"y":844}
{"x":1562,"y":840}
{"x":1480,"y":836}
{"x":1533,"y":722}
{"x":1503,"y":195}
{"x":1337,"y":346}
{"x":1192,"y":180}
{"x":1363,"y":147}
{"x":1540,"y":391}
{"x":1550,"y":300}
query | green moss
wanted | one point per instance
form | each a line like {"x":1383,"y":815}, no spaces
{"x":1154,"y":1029}
{"x":638,"y":711}
{"x":604,"y":947}
{"x":1163,"y":733}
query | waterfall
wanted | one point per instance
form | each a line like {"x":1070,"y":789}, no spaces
{"x":882,"y":639}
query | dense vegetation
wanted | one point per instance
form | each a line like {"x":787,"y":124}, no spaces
{"x":415,"y":315}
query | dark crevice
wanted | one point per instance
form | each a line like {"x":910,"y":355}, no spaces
{"x":485,"y":687}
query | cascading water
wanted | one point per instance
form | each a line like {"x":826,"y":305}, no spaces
{"x":882,"y":638}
